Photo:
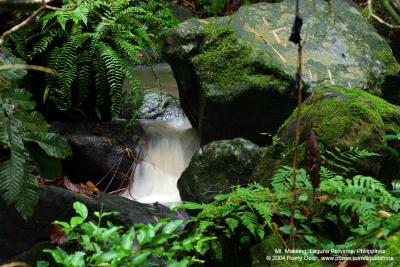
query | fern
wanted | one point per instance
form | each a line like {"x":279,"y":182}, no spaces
{"x":361,"y":206}
{"x":282,"y":179}
{"x":21,"y":128}
{"x":92,"y":46}
{"x":342,"y":161}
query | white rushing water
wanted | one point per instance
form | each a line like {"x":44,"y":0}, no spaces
{"x":166,"y":152}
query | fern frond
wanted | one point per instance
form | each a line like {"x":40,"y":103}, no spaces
{"x":282,"y":179}
{"x":265,"y":212}
{"x":12,"y":170}
{"x":364,"y":209}
{"x":249,"y":220}
{"x":342,"y":161}
{"x":115,"y":75}
{"x":29,"y":195}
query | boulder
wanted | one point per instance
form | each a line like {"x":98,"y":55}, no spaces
{"x":238,"y":70}
{"x":158,"y":105}
{"x":55,"y":203}
{"x":100,"y":150}
{"x":342,"y":118}
{"x":217,"y":167}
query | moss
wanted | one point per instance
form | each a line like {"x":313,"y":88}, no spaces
{"x":346,"y":117}
{"x":222,"y":47}
{"x":223,"y":65}
{"x":340,"y":117}
{"x":386,"y":57}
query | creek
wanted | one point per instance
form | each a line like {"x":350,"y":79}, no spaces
{"x":165,"y":150}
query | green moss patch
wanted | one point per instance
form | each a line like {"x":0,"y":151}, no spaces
{"x":225,"y":66}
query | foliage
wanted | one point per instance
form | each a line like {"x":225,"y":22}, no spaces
{"x":112,"y":245}
{"x":25,"y":141}
{"x":93,"y":45}
{"x":360,"y":210}
{"x":343,"y":161}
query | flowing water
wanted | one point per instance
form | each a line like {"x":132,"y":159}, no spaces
{"x":164,"y":153}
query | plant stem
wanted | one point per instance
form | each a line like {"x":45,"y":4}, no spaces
{"x":298,"y":90}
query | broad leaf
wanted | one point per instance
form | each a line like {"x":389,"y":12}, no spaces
{"x":53,"y":144}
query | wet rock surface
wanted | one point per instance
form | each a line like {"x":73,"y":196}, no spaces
{"x":158,"y":105}
{"x":238,"y":70}
{"x":99,"y":150}
{"x":217,"y":167}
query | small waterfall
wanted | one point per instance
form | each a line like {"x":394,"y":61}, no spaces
{"x":165,"y":153}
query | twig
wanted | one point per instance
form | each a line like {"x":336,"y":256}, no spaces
{"x":25,"y":22}
{"x":379,"y":19}
{"x":28,"y":67}
{"x":45,"y":5}
{"x":384,"y":22}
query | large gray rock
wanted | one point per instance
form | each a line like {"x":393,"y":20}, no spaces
{"x":100,"y":150}
{"x":238,"y":70}
{"x":217,"y":167}
{"x":55,"y":203}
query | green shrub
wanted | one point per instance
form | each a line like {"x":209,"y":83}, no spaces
{"x":105,"y":244}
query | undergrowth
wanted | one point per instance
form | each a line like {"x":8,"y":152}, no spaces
{"x":24,"y":142}
{"x":360,"y":212}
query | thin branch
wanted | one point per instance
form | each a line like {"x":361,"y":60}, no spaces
{"x":28,"y":67}
{"x":25,"y":22}
{"x":380,"y":20}
{"x":45,"y":5}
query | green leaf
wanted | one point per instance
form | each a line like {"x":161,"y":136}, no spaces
{"x":81,"y":209}
{"x":49,"y":167}
{"x":286,"y":229}
{"x":42,"y":264}
{"x":312,"y":239}
{"x":145,"y":234}
{"x":77,"y":259}
{"x":182,"y":263}
{"x":221,"y":197}
{"x":53,"y":144}
{"x":127,"y":239}
{"x":108,"y":256}
{"x":58,"y":254}
{"x":189,"y":206}
{"x":141,"y":258}
{"x":76,"y":220}
{"x":171,"y":226}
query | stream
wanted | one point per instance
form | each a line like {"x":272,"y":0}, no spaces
{"x":165,"y":150}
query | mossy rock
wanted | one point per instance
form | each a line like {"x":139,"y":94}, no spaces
{"x":238,"y":70}
{"x":217,"y":167}
{"x":341,"y":118}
